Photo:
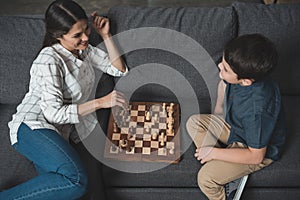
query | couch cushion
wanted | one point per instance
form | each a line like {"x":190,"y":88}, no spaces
{"x":14,"y":168}
{"x":20,"y":41}
{"x":280,"y":23}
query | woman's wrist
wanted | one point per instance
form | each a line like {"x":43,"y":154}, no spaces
{"x":105,"y":36}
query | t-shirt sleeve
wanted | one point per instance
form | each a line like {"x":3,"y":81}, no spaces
{"x":259,"y":130}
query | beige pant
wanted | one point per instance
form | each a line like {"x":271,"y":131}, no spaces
{"x":212,"y":130}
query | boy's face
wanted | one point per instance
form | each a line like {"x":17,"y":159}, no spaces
{"x":226,"y":73}
{"x":229,"y":76}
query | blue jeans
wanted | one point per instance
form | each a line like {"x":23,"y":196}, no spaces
{"x":60,"y":172}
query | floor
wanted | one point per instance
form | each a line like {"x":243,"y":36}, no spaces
{"x":20,"y":7}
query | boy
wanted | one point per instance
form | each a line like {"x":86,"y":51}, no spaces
{"x":252,"y":134}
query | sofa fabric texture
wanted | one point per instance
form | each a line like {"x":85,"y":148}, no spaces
{"x":210,"y":27}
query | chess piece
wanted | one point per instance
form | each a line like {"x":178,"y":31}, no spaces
{"x":123,"y":143}
{"x":148,"y":116}
{"x":130,"y":130}
{"x":129,"y":136}
{"x":171,"y":151}
{"x":162,"y":139}
{"x":170,"y":131}
{"x":171,"y":107}
{"x":113,"y":149}
{"x":154,"y":135}
{"x":115,"y":127}
{"x":129,"y":148}
{"x":147,"y":129}
{"x":155,"y":118}
{"x":164,"y":106}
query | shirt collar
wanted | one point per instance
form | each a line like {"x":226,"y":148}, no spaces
{"x":58,"y":47}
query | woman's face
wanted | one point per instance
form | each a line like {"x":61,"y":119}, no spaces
{"x":77,"y":38}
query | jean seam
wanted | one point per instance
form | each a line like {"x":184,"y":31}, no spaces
{"x":57,"y":187}
{"x":34,"y":193}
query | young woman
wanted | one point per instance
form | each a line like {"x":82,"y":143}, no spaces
{"x":62,"y":78}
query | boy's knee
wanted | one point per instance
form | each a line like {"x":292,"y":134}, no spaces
{"x":203,"y":181}
{"x":192,"y":123}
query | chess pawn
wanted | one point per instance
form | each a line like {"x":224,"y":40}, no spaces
{"x":147,"y":129}
{"x":171,"y":107}
{"x":170,"y":131}
{"x":123,"y":143}
{"x":162,"y":142}
{"x":130,"y":130}
{"x":115,"y":128}
{"x":155,"y":118}
{"x":164,"y":106}
{"x":129,"y":136}
{"x":154,"y":135}
{"x":170,"y":120}
{"x":171,"y":151}
{"x":170,"y":113}
{"x":162,"y":139}
{"x":128,"y":148}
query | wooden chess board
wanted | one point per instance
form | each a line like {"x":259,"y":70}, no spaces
{"x":148,"y":131}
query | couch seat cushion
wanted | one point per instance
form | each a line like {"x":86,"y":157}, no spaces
{"x":184,"y":174}
{"x":14,"y":168}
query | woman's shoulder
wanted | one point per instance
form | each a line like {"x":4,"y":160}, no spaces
{"x":47,"y":55}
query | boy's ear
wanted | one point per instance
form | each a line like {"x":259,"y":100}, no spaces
{"x":247,"y":82}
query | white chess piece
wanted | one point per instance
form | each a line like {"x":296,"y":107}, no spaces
{"x":148,"y":115}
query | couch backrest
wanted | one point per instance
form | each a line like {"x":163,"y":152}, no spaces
{"x":173,"y":37}
{"x":280,"y":23}
{"x":21,"y":38}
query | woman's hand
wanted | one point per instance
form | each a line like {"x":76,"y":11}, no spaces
{"x":100,"y":24}
{"x":113,"y":99}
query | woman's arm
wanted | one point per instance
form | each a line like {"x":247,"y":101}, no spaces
{"x":112,"y":99}
{"x":101,"y":25}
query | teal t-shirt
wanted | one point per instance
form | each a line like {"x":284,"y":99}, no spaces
{"x":256,"y":117}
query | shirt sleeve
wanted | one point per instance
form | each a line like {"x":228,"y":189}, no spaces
{"x":52,"y":103}
{"x":259,"y":130}
{"x":100,"y":60}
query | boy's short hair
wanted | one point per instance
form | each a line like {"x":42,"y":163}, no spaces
{"x":251,"y":56}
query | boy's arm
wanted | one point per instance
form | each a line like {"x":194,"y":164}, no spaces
{"x":236,"y":155}
{"x":220,"y":98}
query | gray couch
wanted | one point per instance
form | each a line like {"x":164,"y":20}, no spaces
{"x":176,"y":77}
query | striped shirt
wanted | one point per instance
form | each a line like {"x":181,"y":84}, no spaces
{"x":59,"y":82}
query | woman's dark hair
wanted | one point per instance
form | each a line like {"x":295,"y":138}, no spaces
{"x":60,"y":16}
{"x":251,"y":56}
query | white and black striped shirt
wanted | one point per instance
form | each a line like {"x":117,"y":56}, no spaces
{"x":59,"y":82}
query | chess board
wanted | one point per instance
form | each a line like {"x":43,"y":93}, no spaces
{"x":148,"y":131}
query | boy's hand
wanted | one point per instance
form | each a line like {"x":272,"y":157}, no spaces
{"x":204,"y":154}
{"x":100,"y":24}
